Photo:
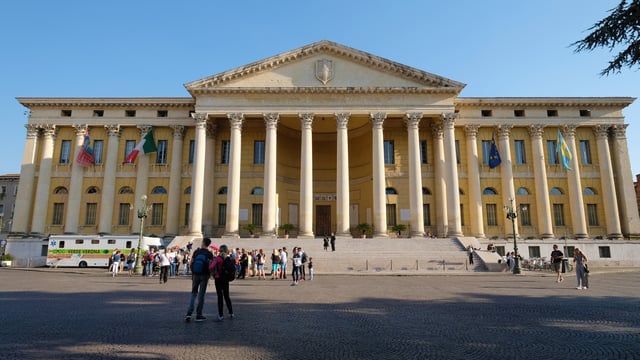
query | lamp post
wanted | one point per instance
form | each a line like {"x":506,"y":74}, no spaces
{"x":512,"y":215}
{"x":142,"y":214}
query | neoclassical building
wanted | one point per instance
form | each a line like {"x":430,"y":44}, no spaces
{"x":326,"y":137}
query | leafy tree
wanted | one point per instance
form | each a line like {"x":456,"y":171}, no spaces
{"x":620,"y":28}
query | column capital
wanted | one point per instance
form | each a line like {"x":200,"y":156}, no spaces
{"x":235,"y":120}
{"x":601,"y":131}
{"x":306,"y":120}
{"x":48,"y":129}
{"x":178,"y":131}
{"x":113,"y":130}
{"x":144,"y":129}
{"x":412,"y":120}
{"x":271,"y":120}
{"x":449,"y":119}
{"x":437,"y":130}
{"x":504,"y":131}
{"x":569,"y":130}
{"x":536,"y":130}
{"x":471,"y":130}
{"x":32,"y":130}
{"x":342,"y":120}
{"x":199,"y":116}
{"x":377,"y":119}
{"x":619,"y":131}
{"x":80,"y":128}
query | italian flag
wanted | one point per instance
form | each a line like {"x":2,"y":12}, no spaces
{"x":146,"y":145}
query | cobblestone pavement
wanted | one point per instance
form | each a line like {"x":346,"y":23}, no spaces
{"x":74,"y":314}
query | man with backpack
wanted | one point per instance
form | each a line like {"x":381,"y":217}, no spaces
{"x":224,"y":270}
{"x":200,"y":263}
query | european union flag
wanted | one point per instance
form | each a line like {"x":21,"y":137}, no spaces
{"x":563,"y":149}
{"x":494,"y":155}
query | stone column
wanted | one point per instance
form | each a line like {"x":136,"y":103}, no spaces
{"x":543,"y":203}
{"x":197,"y":179}
{"x":208,"y":206}
{"x":233,"y":182}
{"x":342,"y":175}
{"x":108,"y":197}
{"x":575,"y":186}
{"x":75,"y":185}
{"x":175,"y":182}
{"x":624,"y":183}
{"x":475,"y":192}
{"x":609,"y":199}
{"x":142,"y":175}
{"x":41,"y":202}
{"x":412,"y":121}
{"x":379,"y":203}
{"x":24,"y":197}
{"x":440,"y":190}
{"x":453,"y":187}
{"x":270,"y":170}
{"x":306,"y":176}
{"x":506,"y":171}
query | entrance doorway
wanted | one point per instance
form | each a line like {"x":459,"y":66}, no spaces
{"x":323,"y":220}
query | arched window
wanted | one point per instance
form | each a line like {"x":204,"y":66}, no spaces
{"x":125,"y":190}
{"x":222,"y":190}
{"x":93,"y":190}
{"x":589,"y":191}
{"x":426,"y":191}
{"x":556,"y":191}
{"x":257,"y":191}
{"x":522,"y":191}
{"x":60,"y":190}
{"x":159,"y":190}
{"x":489,"y":191}
{"x":390,"y":191}
{"x":187,"y":191}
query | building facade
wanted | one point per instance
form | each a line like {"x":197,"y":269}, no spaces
{"x":326,"y":137}
{"x":8,"y":192}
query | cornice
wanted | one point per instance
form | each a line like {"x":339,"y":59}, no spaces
{"x":555,"y":102}
{"x":163,"y":102}
{"x":324,"y":90}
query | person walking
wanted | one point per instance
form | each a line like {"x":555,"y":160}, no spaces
{"x":116,"y":264}
{"x":283,"y":263}
{"x":297,"y":264}
{"x":310,"y":265}
{"x":199,"y":281}
{"x":581,"y":262}
{"x":131,"y":261}
{"x":222,"y":284}
{"x":470,"y":250}
{"x":165,"y":265}
{"x":556,"y":261}
{"x":333,"y":242}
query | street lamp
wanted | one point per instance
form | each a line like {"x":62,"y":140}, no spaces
{"x":512,"y":215}
{"x":142,"y":214}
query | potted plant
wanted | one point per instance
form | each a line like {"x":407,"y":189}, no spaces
{"x":251,"y":228}
{"x":399,"y":228}
{"x":364,"y":228}
{"x":286,"y":228}
{"x":7,"y":260}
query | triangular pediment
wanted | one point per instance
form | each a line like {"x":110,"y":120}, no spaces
{"x":324,"y":66}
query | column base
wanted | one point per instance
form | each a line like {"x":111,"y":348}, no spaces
{"x":546,"y":236}
{"x":382,"y":235}
{"x":614,"y":236}
{"x":581,"y":236}
{"x":230,"y":236}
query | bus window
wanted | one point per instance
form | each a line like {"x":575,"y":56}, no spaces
{"x":129,"y":244}
{"x":111,"y":242}
{"x":61,"y":244}
{"x":95,"y":242}
{"x":79,"y":241}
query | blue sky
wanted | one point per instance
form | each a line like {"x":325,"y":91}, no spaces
{"x":130,"y":48}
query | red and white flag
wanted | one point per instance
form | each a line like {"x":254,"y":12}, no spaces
{"x":146,"y":145}
{"x":85,"y":156}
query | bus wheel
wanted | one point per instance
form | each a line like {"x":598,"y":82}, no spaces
{"x":83,"y":264}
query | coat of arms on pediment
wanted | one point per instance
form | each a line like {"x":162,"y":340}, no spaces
{"x":324,"y":70}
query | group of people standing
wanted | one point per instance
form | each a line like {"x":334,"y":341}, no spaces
{"x":580,"y":260}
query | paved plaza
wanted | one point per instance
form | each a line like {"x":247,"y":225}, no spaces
{"x":87,"y":314}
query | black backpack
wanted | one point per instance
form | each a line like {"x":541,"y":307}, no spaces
{"x":228,"y":272}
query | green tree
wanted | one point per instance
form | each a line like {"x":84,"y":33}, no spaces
{"x":621,"y":28}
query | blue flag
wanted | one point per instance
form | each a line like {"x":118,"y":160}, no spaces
{"x":563,"y":149}
{"x":494,"y":155}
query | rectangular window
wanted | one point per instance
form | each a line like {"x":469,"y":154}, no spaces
{"x":521,"y":157}
{"x":492,"y":219}
{"x":486,"y":150}
{"x":130,"y":113}
{"x":585,"y":151}
{"x":592,"y":214}
{"x":426,"y":214}
{"x":225,"y":152}
{"x":124,"y":214}
{"x":92,"y":211}
{"x":525,"y":215}
{"x":161,"y":154}
{"x":388,"y":152}
{"x":558,"y":214}
{"x":192,"y":150}
{"x":518,"y":113}
{"x":391,"y":214}
{"x":222,"y":214}
{"x":423,"y":152}
{"x":187,"y":210}
{"x":258,"y":153}
{"x":552,"y":113}
{"x":65,"y":152}
{"x":1,"y":210}
{"x":163,"y":113}
{"x":461,"y":214}
{"x":486,"y":113}
{"x":552,"y":155}
{"x":585,"y":113}
{"x":97,"y":151}
{"x":604,"y":251}
{"x":457,"y":152}
{"x":128,"y":147}
{"x":65,"y":113}
{"x":256,"y":214}
{"x":569,"y":251}
{"x":156,"y":213}
{"x":58,"y":213}
{"x":98,"y":113}
{"x":534,"y":251}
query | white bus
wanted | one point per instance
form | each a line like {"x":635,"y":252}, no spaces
{"x":92,"y":250}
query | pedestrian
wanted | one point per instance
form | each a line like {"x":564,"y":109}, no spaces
{"x":116,"y":264}
{"x":131,"y":261}
{"x":222,"y":284}
{"x":556,"y":261}
{"x":325,"y":242}
{"x":275,"y":264}
{"x":470,"y":249}
{"x":333,"y":242}
{"x":165,"y":264}
{"x":310,"y":268}
{"x":297,"y":264}
{"x":303,"y":258}
{"x":199,"y":282}
{"x":260,"y":260}
{"x":283,"y":263}
{"x":581,"y":263}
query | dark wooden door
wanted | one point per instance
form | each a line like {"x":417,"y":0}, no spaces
{"x":323,"y":220}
